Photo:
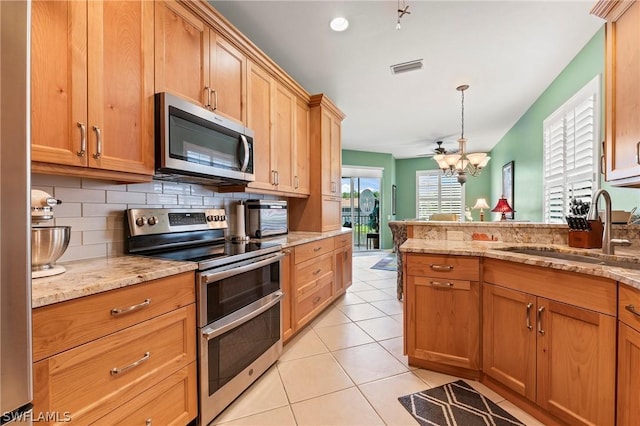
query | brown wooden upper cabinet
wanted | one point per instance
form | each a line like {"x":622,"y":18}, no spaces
{"x":193,"y":61}
{"x":92,"y":88}
{"x":622,"y":73}
{"x":280,"y":121}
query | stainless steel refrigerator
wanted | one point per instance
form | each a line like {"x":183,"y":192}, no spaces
{"x":15,"y":234}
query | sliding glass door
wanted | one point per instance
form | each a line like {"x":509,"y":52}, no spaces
{"x":361,"y":210}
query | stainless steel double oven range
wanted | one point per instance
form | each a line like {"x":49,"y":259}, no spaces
{"x":238,"y":296}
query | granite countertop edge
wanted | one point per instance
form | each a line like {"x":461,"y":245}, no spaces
{"x":495,"y":250}
{"x":92,"y":276}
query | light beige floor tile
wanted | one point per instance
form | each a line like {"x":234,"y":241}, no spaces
{"x":383,"y":396}
{"x":331,"y":316}
{"x":361,"y":311}
{"x":313,"y":376}
{"x":389,"y":307}
{"x":519,"y":414}
{"x":367,"y":363}
{"x":265,"y":394}
{"x":359,"y":286}
{"x":395,"y":346}
{"x":349,"y":299}
{"x":381,"y":328}
{"x":398,"y":317}
{"x":306,"y":343}
{"x":493,"y":396}
{"x":384,"y":283}
{"x":347,"y":407}
{"x":282,"y":416}
{"x":343,"y":336}
{"x":433,"y":378}
{"x":375,"y":295}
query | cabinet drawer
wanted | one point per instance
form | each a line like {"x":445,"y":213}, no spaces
{"x":342,"y":240}
{"x":173,"y":401}
{"x":308,"y":251}
{"x":313,"y":269}
{"x":92,"y":380}
{"x":314,"y":299}
{"x":443,"y":266}
{"x":629,"y":306}
{"x":62,"y":326}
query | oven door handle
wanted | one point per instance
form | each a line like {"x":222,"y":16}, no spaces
{"x":210,"y":277}
{"x":232,"y":321}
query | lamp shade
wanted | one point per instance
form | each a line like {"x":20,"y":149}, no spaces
{"x":502,"y":207}
{"x":481,"y":203}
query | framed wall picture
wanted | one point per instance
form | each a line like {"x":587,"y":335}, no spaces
{"x":394,"y":195}
{"x":507,"y":186}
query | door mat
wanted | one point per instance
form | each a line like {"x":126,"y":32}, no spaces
{"x":387,"y":263}
{"x":455,"y":403}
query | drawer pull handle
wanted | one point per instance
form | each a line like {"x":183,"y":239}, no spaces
{"x":441,"y":284}
{"x":540,"y":330}
{"x":529,"y":306}
{"x":317,"y":249}
{"x":116,"y":371}
{"x":316,"y":299}
{"x":638,"y":152}
{"x":632,"y":309}
{"x":120,"y":311}
{"x":441,"y":267}
{"x":317,"y":271}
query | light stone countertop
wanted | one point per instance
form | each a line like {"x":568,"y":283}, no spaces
{"x":91,"y":276}
{"x":495,"y":250}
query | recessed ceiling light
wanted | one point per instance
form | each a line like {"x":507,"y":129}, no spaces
{"x":339,"y":24}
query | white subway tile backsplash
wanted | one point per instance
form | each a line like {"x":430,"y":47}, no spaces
{"x":83,"y":223}
{"x":125,"y":197}
{"x":102,"y":184}
{"x":176,"y":188}
{"x":148,"y":187}
{"x":104,"y":236}
{"x":167,"y":200}
{"x":51,"y":180}
{"x":79,"y":195}
{"x":95,"y":209}
{"x":189,"y":200}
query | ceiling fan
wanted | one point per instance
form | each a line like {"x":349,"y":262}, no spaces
{"x":443,"y":147}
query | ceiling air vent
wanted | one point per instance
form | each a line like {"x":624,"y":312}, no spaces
{"x":406,"y":66}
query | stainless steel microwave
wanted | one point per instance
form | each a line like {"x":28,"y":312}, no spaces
{"x":194,"y":144}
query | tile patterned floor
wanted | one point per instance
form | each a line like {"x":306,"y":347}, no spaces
{"x":347,"y":366}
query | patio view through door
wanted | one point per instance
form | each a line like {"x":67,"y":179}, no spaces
{"x":361,"y":209}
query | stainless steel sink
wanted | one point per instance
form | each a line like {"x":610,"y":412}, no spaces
{"x":585,"y":258}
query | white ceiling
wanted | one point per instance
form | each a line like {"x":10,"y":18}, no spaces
{"x":507,"y":51}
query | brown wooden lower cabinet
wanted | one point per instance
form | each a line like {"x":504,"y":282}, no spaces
{"x":628,"y":406}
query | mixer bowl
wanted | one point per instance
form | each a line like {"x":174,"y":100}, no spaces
{"x":48,"y":243}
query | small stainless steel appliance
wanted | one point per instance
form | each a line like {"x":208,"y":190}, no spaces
{"x":48,"y":243}
{"x":266,"y":218}
{"x":194,"y":144}
{"x":238,"y":296}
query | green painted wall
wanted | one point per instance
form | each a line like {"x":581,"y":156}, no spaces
{"x":523,"y":142}
{"x":385,"y":161}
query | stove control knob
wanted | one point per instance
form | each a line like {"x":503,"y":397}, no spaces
{"x":152,"y":220}
{"x":140,"y":221}
{"x":210,"y":218}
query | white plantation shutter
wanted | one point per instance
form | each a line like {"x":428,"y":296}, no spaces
{"x":570,"y":151}
{"x":437,"y":193}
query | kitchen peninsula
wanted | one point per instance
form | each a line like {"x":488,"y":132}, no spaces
{"x":538,"y":326}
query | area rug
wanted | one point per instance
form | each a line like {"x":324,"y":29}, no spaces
{"x":387,"y":263}
{"x":455,"y":403}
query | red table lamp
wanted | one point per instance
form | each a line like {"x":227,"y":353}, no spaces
{"x":502,"y":207}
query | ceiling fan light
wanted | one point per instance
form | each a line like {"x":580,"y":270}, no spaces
{"x":339,"y":24}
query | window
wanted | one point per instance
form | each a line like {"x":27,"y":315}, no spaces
{"x":569,"y":152}
{"x":437,"y":193}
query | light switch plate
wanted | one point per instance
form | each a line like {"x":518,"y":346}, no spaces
{"x":455,"y":235}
